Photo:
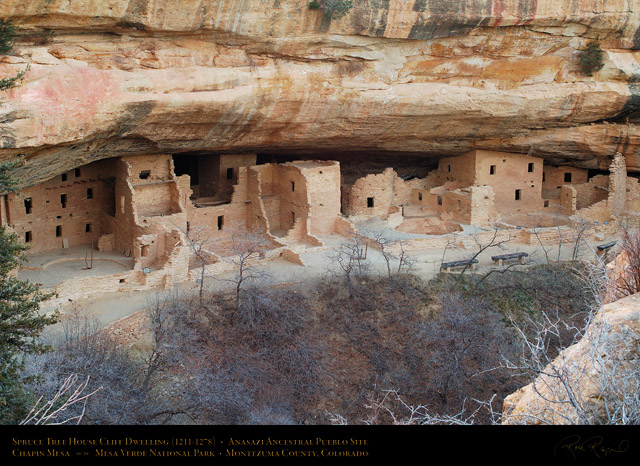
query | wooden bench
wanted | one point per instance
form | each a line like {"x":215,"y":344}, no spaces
{"x":505,"y":257}
{"x":462,"y":263}
{"x":602,"y":248}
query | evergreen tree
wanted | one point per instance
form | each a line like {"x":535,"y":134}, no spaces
{"x":7,"y":35}
{"x":20,"y":320}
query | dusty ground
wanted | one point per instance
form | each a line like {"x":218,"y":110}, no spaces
{"x":109,"y":308}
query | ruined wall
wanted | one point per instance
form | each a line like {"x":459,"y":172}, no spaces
{"x":556,"y":176}
{"x":595,"y":190}
{"x":456,"y":206}
{"x":370,"y":196}
{"x":617,"y":199}
{"x":568,"y":200}
{"x":322,"y":182}
{"x":482,"y":208}
{"x":462,"y":169}
{"x":227,"y":173}
{"x":216,"y":221}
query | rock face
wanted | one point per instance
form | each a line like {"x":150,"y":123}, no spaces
{"x":595,"y":381}
{"x":115,"y":77}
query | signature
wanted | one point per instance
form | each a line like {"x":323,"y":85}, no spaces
{"x":575,"y":445}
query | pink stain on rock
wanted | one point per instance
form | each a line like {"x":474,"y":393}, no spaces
{"x":67,"y":98}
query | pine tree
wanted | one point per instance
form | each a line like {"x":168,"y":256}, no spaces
{"x":7,"y":35}
{"x":20,"y":320}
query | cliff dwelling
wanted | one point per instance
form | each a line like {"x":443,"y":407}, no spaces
{"x":126,"y":223}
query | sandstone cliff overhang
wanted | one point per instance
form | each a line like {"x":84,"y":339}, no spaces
{"x":117,"y":78}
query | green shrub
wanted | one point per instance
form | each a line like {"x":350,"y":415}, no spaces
{"x":332,"y":8}
{"x":7,"y":34}
{"x":591,"y":58}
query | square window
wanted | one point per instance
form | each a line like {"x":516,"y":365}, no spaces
{"x":567,"y":177}
{"x":530,"y":168}
{"x":369,"y":202}
{"x":492,"y":170}
{"x":518,"y":194}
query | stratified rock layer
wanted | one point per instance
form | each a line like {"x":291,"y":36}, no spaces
{"x":113,"y":77}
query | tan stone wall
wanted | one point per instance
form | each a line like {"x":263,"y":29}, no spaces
{"x":554,"y":176}
{"x":568,"y":200}
{"x":617,"y":199}
{"x":322,"y":181}
{"x":595,"y":190}
{"x":511,"y":173}
{"x":482,"y":210}
{"x":230,"y":163}
{"x":460,"y":169}
{"x":86,"y":199}
{"x":376,"y":188}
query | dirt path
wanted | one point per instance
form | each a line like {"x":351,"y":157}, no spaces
{"x":108,"y":308}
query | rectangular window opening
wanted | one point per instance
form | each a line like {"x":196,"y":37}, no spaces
{"x":492,"y":170}
{"x":89,"y":193}
{"x":530,"y":168}
{"x":63,"y":200}
{"x":64,"y":177}
{"x":28,"y":237}
{"x":58,"y":231}
{"x":369,"y":202}
{"x":144,"y":174}
{"x":77,"y":172}
{"x":293,"y":186}
{"x":518,"y":194}
{"x":87,"y":228}
{"x":439,"y":200}
{"x":28,"y":205}
{"x":229,"y":173}
{"x":419,"y":196}
{"x":567,"y":177}
{"x":546,"y":203}
{"x":220,"y":222}
{"x":543,"y":176}
{"x":293,"y":218}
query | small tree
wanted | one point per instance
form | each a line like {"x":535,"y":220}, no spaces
{"x":7,"y":34}
{"x":246,"y":247}
{"x":20,"y":321}
{"x":591,"y":58}
{"x":332,"y":8}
